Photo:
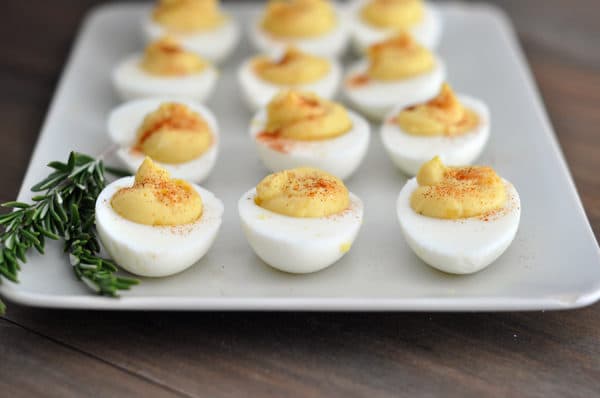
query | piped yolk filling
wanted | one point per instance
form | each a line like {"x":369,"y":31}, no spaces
{"x":157,"y":199}
{"x":399,"y":57}
{"x":173,"y":134}
{"x":457,"y":192}
{"x":302,"y":192}
{"x":166,"y":57}
{"x":188,"y":16}
{"x":293,"y":68}
{"x":443,"y":115}
{"x":305,"y":117}
{"x":393,"y":14}
{"x":298,"y":18}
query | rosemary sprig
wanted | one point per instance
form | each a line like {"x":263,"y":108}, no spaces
{"x":64,"y":208}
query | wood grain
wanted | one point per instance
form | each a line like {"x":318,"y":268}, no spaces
{"x":35,"y":365}
{"x":353,"y":355}
{"x":62,"y":353}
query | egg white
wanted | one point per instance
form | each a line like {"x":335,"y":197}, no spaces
{"x":295,"y":244}
{"x":428,"y":32}
{"x":124,"y":121}
{"x":409,"y":152}
{"x":156,"y":250}
{"x":376,"y":98}
{"x":331,"y":44}
{"x":258,"y":92}
{"x":340,"y":156}
{"x":461,"y":246}
{"x":130,"y":81}
{"x":214,"y":45}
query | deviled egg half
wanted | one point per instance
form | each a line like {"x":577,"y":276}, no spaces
{"x":182,"y":136}
{"x":262,"y":77}
{"x":200,"y":25}
{"x":313,"y":26}
{"x":300,"y":220}
{"x":153,"y":225}
{"x":398,"y":72}
{"x":455,"y":128}
{"x":458,"y":219}
{"x":165,"y":69}
{"x":301,"y":129}
{"x":372,"y":21}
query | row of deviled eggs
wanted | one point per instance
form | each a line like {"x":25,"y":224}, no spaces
{"x":319,"y":27}
{"x":396,"y":72}
{"x":457,"y":219}
{"x":299,"y":128}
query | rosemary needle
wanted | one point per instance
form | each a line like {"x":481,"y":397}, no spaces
{"x":63,"y":208}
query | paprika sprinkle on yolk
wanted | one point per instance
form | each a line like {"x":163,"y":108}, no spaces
{"x":294,"y":67}
{"x":443,"y":115}
{"x":457,"y":192}
{"x":302,"y":192}
{"x":188,"y":16}
{"x":166,"y":57}
{"x":306,"y":117}
{"x":173,"y":134}
{"x":399,"y":57}
{"x":157,"y":199}
{"x":298,"y":18}
{"x":393,"y":14}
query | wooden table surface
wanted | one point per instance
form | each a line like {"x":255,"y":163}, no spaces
{"x":75,"y":353}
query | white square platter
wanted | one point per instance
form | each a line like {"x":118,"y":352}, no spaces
{"x":554,"y":262}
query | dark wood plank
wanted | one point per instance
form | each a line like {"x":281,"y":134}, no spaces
{"x":33,"y":365}
{"x":296,"y":355}
{"x":275,"y":354}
